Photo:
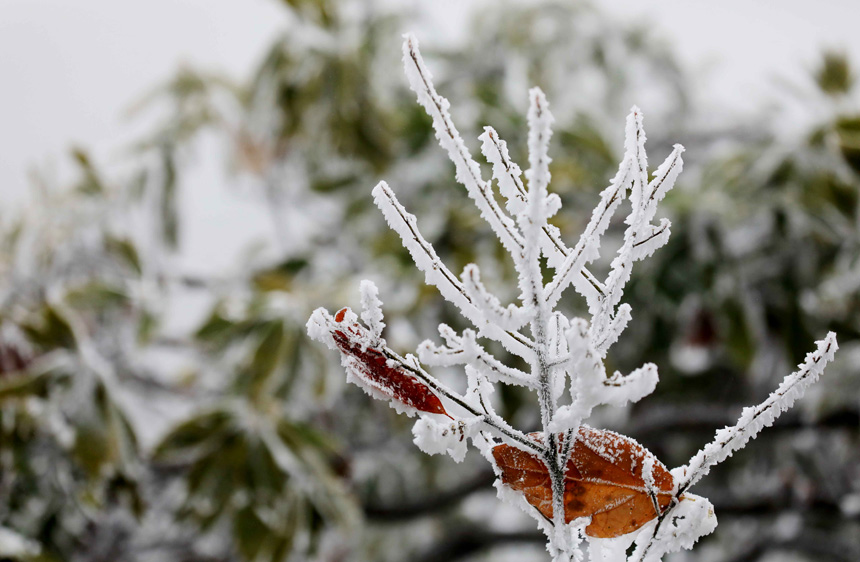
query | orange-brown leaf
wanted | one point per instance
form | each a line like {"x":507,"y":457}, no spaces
{"x":373,"y":367}
{"x":603,"y":481}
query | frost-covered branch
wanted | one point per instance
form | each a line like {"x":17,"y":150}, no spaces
{"x":754,"y":419}
{"x":671,"y":532}
{"x":438,"y":275}
{"x":465,"y":350}
{"x":579,"y":483}
{"x":508,"y":318}
{"x":508,"y":174}
{"x":468,"y":172}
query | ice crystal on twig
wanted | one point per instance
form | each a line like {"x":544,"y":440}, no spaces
{"x":580,"y":484}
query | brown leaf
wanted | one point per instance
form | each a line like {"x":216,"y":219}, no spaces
{"x":603,"y":481}
{"x":373,"y":366}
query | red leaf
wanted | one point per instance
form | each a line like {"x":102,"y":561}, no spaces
{"x":373,"y":367}
{"x":603,"y":481}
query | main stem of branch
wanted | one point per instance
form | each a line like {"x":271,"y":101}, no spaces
{"x":552,"y":457}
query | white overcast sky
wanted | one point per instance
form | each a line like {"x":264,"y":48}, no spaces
{"x":69,"y":69}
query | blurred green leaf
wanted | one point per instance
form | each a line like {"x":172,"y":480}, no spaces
{"x":124,"y":251}
{"x":49,"y":330}
{"x":96,"y":295}
{"x":267,"y":358}
{"x":89,"y":183}
{"x":279,"y":277}
{"x":169,"y":209}
{"x":835,"y":76}
{"x":848,"y":129}
{"x":25,"y":385}
{"x":191,"y":434}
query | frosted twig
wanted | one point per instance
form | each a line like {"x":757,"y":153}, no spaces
{"x":508,"y":318}
{"x":754,"y":419}
{"x":371,"y":308}
{"x":531,"y":221}
{"x":466,"y":351}
{"x":468,"y":172}
{"x":640,"y":238}
{"x":497,"y":425}
{"x":587,"y":249}
{"x":438,"y":275}
{"x":321,"y":326}
{"x":728,"y":440}
{"x":508,"y":174}
{"x":616,"y":326}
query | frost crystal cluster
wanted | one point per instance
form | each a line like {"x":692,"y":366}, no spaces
{"x":591,"y":491}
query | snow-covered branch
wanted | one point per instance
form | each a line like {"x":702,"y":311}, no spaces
{"x":754,"y":419}
{"x":579,"y":483}
{"x":468,"y":172}
{"x":465,"y":350}
{"x":692,"y":517}
{"x":508,"y":174}
{"x":438,"y":275}
{"x":509,"y":318}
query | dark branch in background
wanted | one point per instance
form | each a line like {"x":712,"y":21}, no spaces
{"x":466,"y":541}
{"x":769,"y":507}
{"x":438,"y":502}
{"x":814,"y":544}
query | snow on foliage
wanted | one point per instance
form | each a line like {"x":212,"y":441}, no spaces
{"x":580,"y":484}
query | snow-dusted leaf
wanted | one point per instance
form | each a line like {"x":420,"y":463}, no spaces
{"x":604,"y":480}
{"x":378,"y":371}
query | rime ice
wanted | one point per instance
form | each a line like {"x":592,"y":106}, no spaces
{"x":563,"y":354}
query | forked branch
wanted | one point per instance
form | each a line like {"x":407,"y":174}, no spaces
{"x":579,"y":483}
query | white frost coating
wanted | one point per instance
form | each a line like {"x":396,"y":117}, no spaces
{"x":561,"y":353}
{"x":648,"y":472}
{"x":691,"y":519}
{"x":634,"y":146}
{"x":609,"y":550}
{"x":319,"y":327}
{"x":616,"y":326}
{"x":468,"y":172}
{"x":464,"y":350}
{"x":458,"y":350}
{"x":641,"y":237}
{"x":533,"y":218}
{"x":754,"y":419}
{"x":508,"y":318}
{"x":650,"y":239}
{"x":540,"y":131}
{"x":441,"y":356}
{"x":443,"y":437}
{"x":508,"y":174}
{"x":619,"y":390}
{"x":588,"y":246}
{"x":435,"y":272}
{"x":505,"y":171}
{"x":558,"y":352}
{"x":372,"y":308}
{"x":664,"y":178}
